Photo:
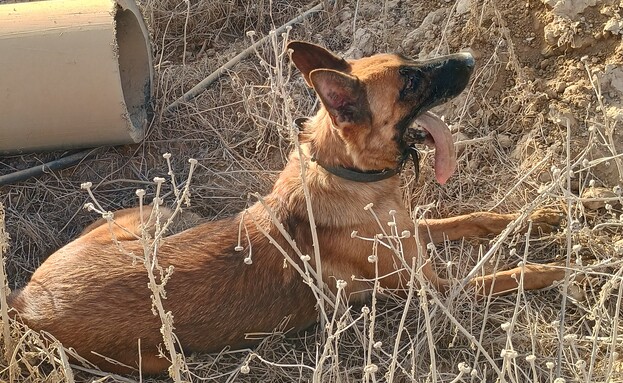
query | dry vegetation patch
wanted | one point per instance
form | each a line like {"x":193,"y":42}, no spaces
{"x":540,"y":126}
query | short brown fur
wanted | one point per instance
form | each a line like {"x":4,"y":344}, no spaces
{"x":91,"y":297}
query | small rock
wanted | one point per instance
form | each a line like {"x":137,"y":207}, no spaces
{"x":462,"y":7}
{"x":346,"y":14}
{"x":612,"y":78}
{"x":545,"y":177}
{"x":594,"y":198}
{"x":345,"y":28}
{"x":569,"y":9}
{"x":571,"y":89}
{"x":505,"y":141}
{"x":545,"y":63}
{"x":459,"y":142}
{"x":614,"y":26}
{"x":473,"y":165}
{"x":363,"y":44}
{"x":562,"y":116}
{"x":618,"y":247}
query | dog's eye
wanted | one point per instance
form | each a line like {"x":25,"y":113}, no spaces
{"x":412,"y":82}
{"x":411,"y":79}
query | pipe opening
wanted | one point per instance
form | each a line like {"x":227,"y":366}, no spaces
{"x":134,"y":69}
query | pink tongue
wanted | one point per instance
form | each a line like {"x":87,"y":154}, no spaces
{"x":445,"y":156}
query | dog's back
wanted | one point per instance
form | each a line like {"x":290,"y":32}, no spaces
{"x":93,"y":297}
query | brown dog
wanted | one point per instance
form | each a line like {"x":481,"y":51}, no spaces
{"x":91,"y":297}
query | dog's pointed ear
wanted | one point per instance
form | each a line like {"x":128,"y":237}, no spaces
{"x":343,"y":95}
{"x":308,"y":57}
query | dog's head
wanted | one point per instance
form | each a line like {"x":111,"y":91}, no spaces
{"x":372,"y":102}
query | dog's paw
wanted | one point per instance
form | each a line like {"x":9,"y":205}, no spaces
{"x":547,"y":220}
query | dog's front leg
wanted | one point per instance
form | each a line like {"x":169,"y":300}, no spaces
{"x":482,"y":224}
{"x":505,"y":282}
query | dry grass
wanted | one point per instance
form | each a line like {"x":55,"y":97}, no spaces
{"x":515,"y":155}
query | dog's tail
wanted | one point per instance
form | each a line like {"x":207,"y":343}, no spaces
{"x":16,"y":301}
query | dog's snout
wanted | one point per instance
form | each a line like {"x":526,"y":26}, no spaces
{"x":455,"y":61}
{"x":458,"y":66}
{"x":467,"y":59}
{"x":447,"y":77}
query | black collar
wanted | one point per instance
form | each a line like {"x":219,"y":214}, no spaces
{"x":358,"y":175}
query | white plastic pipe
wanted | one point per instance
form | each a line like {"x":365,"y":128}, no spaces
{"x":73,"y":74}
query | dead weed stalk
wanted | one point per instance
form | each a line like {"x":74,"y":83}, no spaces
{"x":158,"y":276}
